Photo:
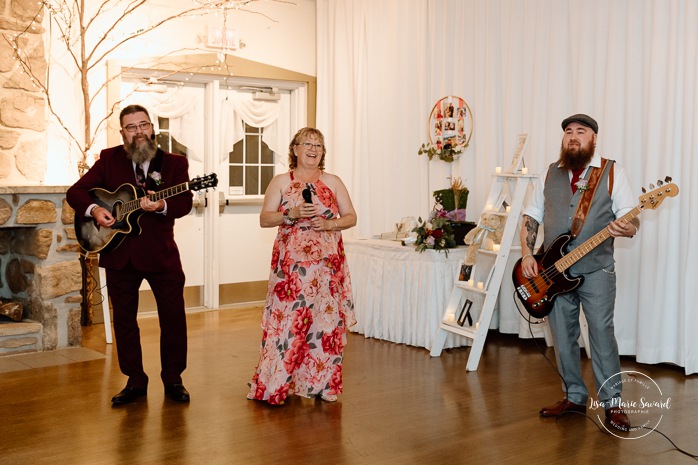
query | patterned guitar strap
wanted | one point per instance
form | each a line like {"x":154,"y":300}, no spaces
{"x":587,"y":195}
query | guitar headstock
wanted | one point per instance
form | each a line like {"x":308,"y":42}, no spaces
{"x":655,"y":197}
{"x":204,"y":182}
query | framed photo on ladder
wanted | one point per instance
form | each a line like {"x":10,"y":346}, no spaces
{"x":518,"y":153}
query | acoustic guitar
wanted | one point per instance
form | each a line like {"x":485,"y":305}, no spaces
{"x":125,"y":207}
{"x":538,"y":293}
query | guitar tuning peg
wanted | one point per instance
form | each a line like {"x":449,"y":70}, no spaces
{"x":644,"y":191}
{"x":651,"y":186}
{"x":660,"y":183}
{"x":667,"y":179}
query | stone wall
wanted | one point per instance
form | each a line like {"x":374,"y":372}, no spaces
{"x":39,"y":264}
{"x":23,"y":108}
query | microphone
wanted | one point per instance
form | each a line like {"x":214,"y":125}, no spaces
{"x":152,"y":136}
{"x":307,"y":195}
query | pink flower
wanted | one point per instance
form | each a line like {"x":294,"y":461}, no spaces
{"x":278,"y":397}
{"x":324,"y":195}
{"x":302,"y":319}
{"x":336,"y":380}
{"x":288,"y":290}
{"x":335,"y":261}
{"x":332,"y":342}
{"x":259,"y":386}
{"x":309,"y":249}
{"x":295,"y":355}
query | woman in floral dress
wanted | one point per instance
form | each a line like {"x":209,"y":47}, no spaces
{"x":309,"y":302}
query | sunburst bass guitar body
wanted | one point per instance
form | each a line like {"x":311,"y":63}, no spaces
{"x":537,"y":294}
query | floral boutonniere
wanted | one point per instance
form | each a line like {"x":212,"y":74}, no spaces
{"x":582,"y":185}
{"x":156,"y":177}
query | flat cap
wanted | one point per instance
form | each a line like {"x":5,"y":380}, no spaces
{"x":584,"y":120}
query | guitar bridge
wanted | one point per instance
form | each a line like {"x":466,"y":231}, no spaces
{"x":523,"y":292}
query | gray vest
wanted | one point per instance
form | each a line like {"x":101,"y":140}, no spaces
{"x":560,"y":206}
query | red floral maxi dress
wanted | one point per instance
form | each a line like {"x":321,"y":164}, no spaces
{"x":309,"y":306}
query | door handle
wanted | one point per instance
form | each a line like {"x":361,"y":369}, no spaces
{"x":198,"y":203}
{"x":222,"y":202}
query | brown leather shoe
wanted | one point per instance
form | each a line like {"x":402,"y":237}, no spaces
{"x":618,"y":419}
{"x":562,"y":407}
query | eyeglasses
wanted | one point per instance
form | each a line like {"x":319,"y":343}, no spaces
{"x":134,"y":127}
{"x":309,"y":146}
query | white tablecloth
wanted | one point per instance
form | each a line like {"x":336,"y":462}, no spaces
{"x":400,"y":295}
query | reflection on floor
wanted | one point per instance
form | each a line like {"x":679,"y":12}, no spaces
{"x":20,"y":362}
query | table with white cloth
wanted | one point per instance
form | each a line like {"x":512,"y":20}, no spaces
{"x":400,"y":295}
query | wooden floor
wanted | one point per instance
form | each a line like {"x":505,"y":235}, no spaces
{"x":400,"y":406}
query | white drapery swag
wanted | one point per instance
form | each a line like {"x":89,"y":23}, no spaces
{"x":175,"y":106}
{"x":523,"y":67}
{"x":240,"y":108}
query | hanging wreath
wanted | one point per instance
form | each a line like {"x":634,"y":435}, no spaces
{"x":450,"y":129}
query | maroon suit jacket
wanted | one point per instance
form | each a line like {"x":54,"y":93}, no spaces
{"x":154,"y":249}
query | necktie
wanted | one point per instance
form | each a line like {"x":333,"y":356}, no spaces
{"x":575,"y":179}
{"x":140,"y":176}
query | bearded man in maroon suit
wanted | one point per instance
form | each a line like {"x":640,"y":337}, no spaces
{"x":151,"y":255}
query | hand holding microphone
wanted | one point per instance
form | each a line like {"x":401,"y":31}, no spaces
{"x":308,"y":209}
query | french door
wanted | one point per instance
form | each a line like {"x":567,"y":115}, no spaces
{"x":220,"y":241}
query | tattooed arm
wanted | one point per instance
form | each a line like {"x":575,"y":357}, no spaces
{"x":529,"y":234}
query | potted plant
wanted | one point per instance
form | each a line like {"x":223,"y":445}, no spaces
{"x":454,"y":201}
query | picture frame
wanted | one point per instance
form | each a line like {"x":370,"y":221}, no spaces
{"x":521,"y":144}
{"x":450,"y":123}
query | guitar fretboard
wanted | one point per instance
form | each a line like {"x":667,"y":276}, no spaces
{"x":590,"y":244}
{"x":132,"y":205}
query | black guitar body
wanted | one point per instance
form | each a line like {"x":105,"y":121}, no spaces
{"x":94,"y":238}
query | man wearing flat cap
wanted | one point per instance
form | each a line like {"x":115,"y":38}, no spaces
{"x":581,"y":194}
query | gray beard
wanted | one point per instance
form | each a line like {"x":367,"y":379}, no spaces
{"x":140,"y":151}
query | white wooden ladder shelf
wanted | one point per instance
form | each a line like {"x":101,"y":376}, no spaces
{"x":477,"y":297}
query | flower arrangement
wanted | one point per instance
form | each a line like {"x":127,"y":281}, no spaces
{"x":447,"y":152}
{"x":582,"y":185}
{"x":156,"y":177}
{"x":435,"y":233}
{"x":453,"y":200}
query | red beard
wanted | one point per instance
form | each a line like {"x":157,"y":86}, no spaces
{"x":576,"y":158}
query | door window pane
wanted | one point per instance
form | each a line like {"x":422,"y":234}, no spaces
{"x":251,"y":164}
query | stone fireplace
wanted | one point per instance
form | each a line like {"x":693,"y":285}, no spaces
{"x":39,"y":268}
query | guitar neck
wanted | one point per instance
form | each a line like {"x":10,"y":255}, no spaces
{"x":133,"y":205}
{"x":590,"y":244}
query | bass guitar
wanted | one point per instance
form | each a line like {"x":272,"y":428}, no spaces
{"x":125,"y":207}
{"x":538,"y":293}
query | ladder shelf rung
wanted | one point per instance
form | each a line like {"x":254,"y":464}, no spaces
{"x":468,"y":287}
{"x":469,"y":332}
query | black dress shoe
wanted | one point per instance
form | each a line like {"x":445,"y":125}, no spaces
{"x":177,"y":392}
{"x":128,"y":395}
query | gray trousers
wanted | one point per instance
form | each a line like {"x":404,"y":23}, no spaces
{"x":597,"y":295}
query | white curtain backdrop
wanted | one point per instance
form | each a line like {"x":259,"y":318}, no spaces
{"x":174,"y":105}
{"x":523,"y":66}
{"x":241,"y":107}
